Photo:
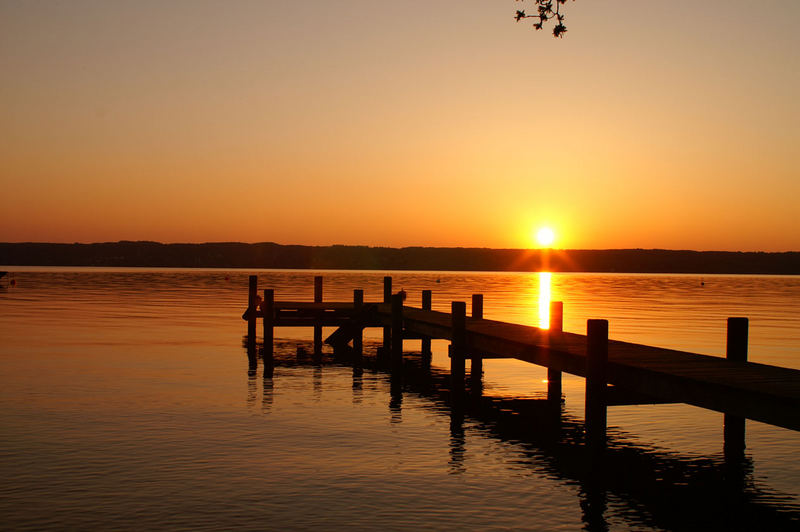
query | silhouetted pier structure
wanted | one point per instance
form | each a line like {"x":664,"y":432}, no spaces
{"x":616,"y":373}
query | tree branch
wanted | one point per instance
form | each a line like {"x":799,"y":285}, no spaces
{"x":545,"y":13}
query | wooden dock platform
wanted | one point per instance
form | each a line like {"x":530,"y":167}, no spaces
{"x":616,"y":372}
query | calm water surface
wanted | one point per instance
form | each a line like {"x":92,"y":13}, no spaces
{"x":127,"y":402}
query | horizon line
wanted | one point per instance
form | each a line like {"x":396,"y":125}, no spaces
{"x":554,"y":249}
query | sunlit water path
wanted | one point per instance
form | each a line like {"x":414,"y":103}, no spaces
{"x":125,"y":403}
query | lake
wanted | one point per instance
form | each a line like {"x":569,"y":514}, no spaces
{"x":128,"y":402}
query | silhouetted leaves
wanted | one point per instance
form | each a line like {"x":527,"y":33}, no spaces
{"x":545,"y":10}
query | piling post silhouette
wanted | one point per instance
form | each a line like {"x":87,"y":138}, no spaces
{"x":396,"y":397}
{"x":358,"y":336}
{"x":268,"y":309}
{"x":476,"y":366}
{"x":397,"y":331}
{"x":252,"y":367}
{"x":268,"y":392}
{"x":554,"y":375}
{"x":425,"y":347}
{"x":596,"y":362}
{"x":250,"y":313}
{"x":387,"y":298}
{"x":252,"y":307}
{"x":734,"y":426}
{"x":317,"y":328}
{"x":458,"y":346}
{"x":358,"y":385}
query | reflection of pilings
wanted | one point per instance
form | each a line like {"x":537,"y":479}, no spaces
{"x":734,"y":426}
{"x":267,"y":398}
{"x":476,"y":365}
{"x":252,"y":365}
{"x":553,"y":375}
{"x":252,"y":356}
{"x":396,"y":396}
{"x":318,"y":328}
{"x":594,"y":502}
{"x":425,"y":347}
{"x":457,"y":441}
{"x":665,"y":489}
{"x":358,"y":385}
{"x":316,"y":380}
{"x":596,"y":361}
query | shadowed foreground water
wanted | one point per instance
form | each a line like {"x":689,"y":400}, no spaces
{"x":128,"y":402}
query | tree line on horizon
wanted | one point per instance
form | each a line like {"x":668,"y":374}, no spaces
{"x":272,"y":255}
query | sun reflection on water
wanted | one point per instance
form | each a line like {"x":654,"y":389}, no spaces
{"x":544,"y":299}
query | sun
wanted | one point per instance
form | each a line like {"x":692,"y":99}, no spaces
{"x":545,"y":237}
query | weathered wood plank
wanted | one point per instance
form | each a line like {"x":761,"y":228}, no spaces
{"x":619,"y":396}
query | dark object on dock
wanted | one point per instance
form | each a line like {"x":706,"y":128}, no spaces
{"x":3,"y":274}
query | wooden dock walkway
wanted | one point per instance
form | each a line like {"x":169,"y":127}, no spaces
{"x":616,"y":372}
{"x":756,"y":391}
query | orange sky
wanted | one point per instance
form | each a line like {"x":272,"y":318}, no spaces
{"x":400,"y":123}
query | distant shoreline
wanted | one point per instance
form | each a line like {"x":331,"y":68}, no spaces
{"x":278,"y":256}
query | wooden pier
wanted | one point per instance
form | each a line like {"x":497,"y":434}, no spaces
{"x":616,"y":372}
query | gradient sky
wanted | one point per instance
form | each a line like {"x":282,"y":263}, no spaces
{"x":421,"y":122}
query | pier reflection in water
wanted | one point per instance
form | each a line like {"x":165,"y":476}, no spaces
{"x":621,"y":483}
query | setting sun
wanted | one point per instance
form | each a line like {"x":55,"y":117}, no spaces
{"x":545,"y":237}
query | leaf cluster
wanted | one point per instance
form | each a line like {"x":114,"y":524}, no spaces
{"x":546,"y":10}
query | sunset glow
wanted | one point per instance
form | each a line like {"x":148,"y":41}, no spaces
{"x":258,"y":123}
{"x":545,"y":237}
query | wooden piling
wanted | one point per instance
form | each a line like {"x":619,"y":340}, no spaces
{"x":554,"y":375}
{"x":317,"y":328}
{"x":252,"y":304}
{"x":736,"y":345}
{"x":252,"y":295}
{"x":268,"y":309}
{"x":358,"y":338}
{"x":596,"y":362}
{"x":387,"y":298}
{"x":397,"y":331}
{"x":425,"y":347}
{"x":734,"y":426}
{"x":476,"y":366}
{"x":458,"y":344}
